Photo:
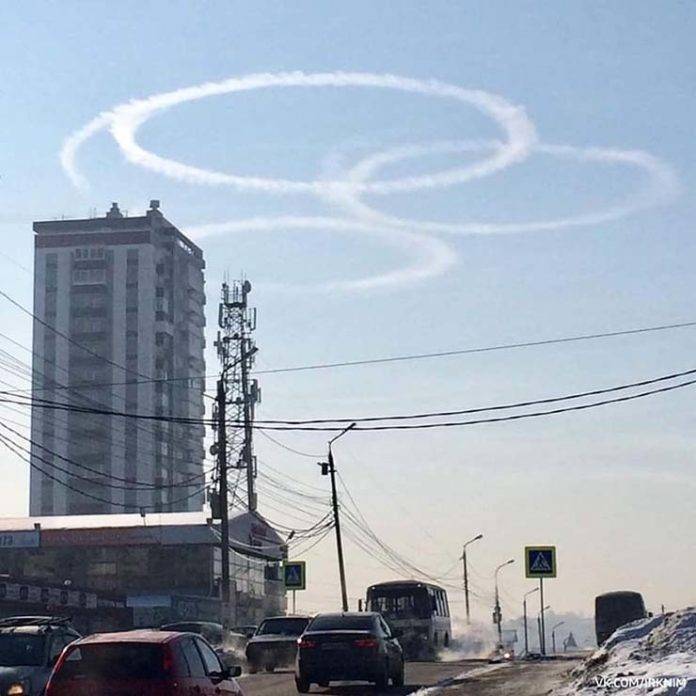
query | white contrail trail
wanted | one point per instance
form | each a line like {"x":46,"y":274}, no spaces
{"x":124,"y":121}
{"x":662,"y":187}
{"x":433,"y":256}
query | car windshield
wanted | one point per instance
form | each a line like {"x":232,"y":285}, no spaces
{"x":342,"y":623}
{"x":282,"y":627}
{"x":21,"y":650}
{"x":113,"y":661}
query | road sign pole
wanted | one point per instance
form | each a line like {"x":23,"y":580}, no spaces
{"x":294,"y":602}
{"x":542,"y":627}
{"x":526,"y":636}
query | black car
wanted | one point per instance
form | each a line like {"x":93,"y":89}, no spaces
{"x":348,"y":647}
{"x":29,"y":648}
{"x":275,"y":643}
{"x":228,"y":645}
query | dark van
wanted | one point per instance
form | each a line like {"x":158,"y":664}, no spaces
{"x":616,"y":609}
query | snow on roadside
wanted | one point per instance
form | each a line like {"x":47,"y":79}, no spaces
{"x":470,"y":674}
{"x":655,"y":656}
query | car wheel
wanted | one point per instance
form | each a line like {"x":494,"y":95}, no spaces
{"x":398,"y":680}
{"x":253,"y":669}
{"x":302,"y":685}
{"x":270,"y":668}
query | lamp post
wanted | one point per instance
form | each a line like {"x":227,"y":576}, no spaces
{"x":553,"y":636}
{"x":466,"y":576}
{"x":542,"y":638}
{"x":524,"y":610}
{"x":330,"y":468}
{"x":497,"y":615}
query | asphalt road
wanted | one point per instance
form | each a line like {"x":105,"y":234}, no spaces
{"x":282,"y":683}
{"x":519,"y":679}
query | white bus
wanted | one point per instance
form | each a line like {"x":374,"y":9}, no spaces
{"x":417,"y":611}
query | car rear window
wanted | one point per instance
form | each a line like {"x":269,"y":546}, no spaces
{"x":113,"y":661}
{"x":282,"y":627}
{"x":342,"y":623}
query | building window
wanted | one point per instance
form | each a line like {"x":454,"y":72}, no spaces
{"x":90,"y":276}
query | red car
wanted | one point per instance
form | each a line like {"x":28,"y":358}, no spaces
{"x":142,"y":663}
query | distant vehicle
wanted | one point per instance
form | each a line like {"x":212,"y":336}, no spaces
{"x":247,"y":631}
{"x":228,"y":645}
{"x":29,"y":648}
{"x":152,"y":662}
{"x":356,"y":646}
{"x":419,"y":611}
{"x":501,"y":654}
{"x":615,"y":609}
{"x":275,"y":642}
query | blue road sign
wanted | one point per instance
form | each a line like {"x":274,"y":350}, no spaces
{"x":295,"y":575}
{"x":540,"y":561}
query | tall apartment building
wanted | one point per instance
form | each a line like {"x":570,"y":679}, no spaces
{"x":119,"y":303}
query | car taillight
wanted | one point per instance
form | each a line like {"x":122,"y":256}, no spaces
{"x":51,"y":686}
{"x":305,"y":644}
{"x":167,"y":661}
{"x":366,"y":643}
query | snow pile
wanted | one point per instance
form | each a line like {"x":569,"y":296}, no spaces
{"x":655,"y":656}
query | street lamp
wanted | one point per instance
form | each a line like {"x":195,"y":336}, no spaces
{"x":498,"y":614}
{"x":553,"y":636}
{"x":542,"y":637}
{"x":524,"y":608}
{"x":329,"y":468}
{"x":466,"y":576}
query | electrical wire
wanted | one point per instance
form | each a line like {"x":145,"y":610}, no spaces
{"x":520,"y":416}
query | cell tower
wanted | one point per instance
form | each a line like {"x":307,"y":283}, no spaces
{"x":236,"y":350}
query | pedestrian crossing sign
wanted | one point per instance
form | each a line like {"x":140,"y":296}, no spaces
{"x":295,"y":575}
{"x":540,"y":561}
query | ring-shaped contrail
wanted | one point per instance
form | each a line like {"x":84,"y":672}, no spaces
{"x":124,"y":120}
{"x":433,"y":256}
{"x":662,"y":186}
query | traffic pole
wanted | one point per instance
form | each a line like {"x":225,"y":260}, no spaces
{"x":542,"y":627}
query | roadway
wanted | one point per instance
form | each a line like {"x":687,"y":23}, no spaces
{"x":460,"y":678}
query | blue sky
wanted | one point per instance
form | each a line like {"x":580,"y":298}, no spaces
{"x":612,"y":487}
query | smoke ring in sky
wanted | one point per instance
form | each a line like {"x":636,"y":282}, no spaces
{"x":433,"y":256}
{"x":662,"y":187}
{"x":124,"y":120}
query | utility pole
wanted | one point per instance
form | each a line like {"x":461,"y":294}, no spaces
{"x":329,"y":468}
{"x":223,"y":500}
{"x":466,"y":576}
{"x":498,"y":614}
{"x":524,"y":610}
{"x":553,"y":636}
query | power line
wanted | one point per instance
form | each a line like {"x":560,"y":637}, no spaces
{"x":519,"y":404}
{"x":479,"y":421}
{"x":485,"y":349}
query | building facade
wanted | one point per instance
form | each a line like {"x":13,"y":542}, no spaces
{"x":119,"y":326}
{"x":165,"y":567}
